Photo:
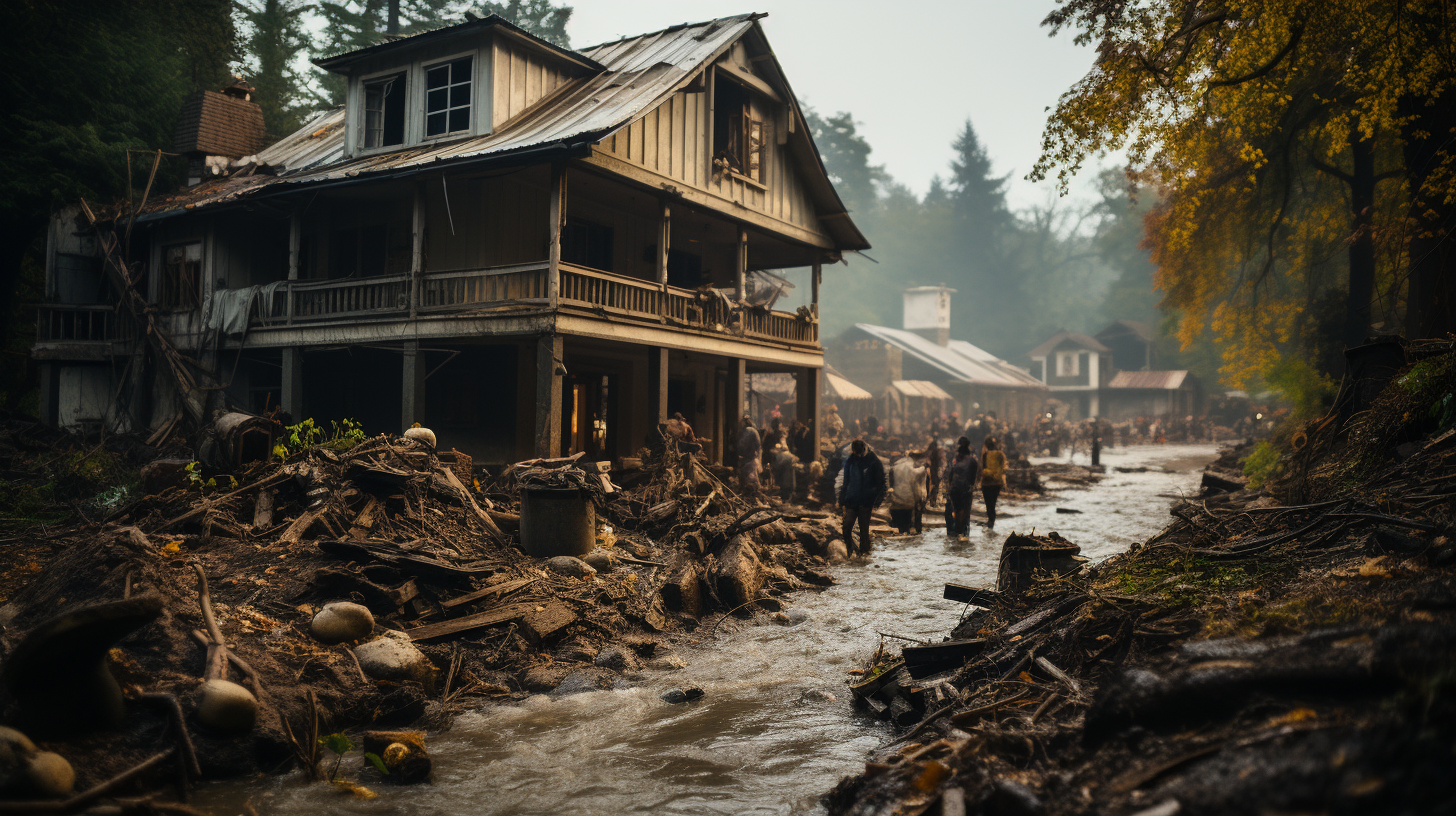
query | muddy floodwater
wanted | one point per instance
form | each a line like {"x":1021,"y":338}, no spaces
{"x":775,"y":729}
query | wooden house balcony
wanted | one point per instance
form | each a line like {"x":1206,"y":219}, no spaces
{"x":513,"y":291}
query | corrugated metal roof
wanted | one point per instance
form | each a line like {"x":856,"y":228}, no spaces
{"x":835,"y":385}
{"x":641,"y":72}
{"x":1164,"y":380}
{"x":1079,"y":340}
{"x":960,"y":360}
{"x":920,"y":388}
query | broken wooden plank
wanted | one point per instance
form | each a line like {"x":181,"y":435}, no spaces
{"x":983,"y":598}
{"x":469,"y":502}
{"x":934,"y":658}
{"x":205,"y":506}
{"x":299,"y":527}
{"x":545,"y":623}
{"x":421,"y":566}
{"x":500,"y":589}
{"x":492,"y":617}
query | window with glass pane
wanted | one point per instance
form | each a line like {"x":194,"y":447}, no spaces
{"x":447,"y":97}
{"x":384,"y":111}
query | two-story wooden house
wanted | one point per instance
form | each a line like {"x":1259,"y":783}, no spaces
{"x":1109,"y":376}
{"x":529,"y":249}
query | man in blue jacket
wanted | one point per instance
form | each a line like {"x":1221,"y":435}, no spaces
{"x":861,"y":488}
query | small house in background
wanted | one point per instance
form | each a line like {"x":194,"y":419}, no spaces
{"x":1131,"y":344}
{"x":1131,"y":394}
{"x":876,"y":357}
{"x":1109,"y":376}
{"x":1075,"y":367}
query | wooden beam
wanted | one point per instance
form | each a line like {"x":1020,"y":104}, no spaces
{"x":818,"y":276}
{"x":417,"y":248}
{"x":664,"y":243}
{"x":557,"y":216}
{"x":291,"y":396}
{"x":737,"y":396}
{"x":808,"y":401}
{"x":740,"y":271}
{"x":549,"y":351}
{"x":412,"y":387}
{"x":657,"y":362}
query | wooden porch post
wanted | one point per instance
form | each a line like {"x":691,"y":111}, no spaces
{"x":290,"y":397}
{"x":417,"y":252}
{"x":809,"y":399}
{"x":737,"y":395}
{"x":815,"y":278}
{"x":295,"y":246}
{"x":657,"y":382}
{"x":664,"y":246}
{"x":740,"y":275}
{"x":549,"y":349}
{"x":412,"y":390}
{"x":557,"y":216}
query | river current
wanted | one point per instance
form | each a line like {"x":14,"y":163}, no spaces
{"x":775,"y":729}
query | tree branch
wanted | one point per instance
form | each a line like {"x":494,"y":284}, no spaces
{"x":1273,"y":62}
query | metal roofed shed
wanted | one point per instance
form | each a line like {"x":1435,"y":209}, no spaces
{"x":1161,"y":380}
{"x":839,"y":388}
{"x":923,"y":389}
{"x":1132,"y":394}
{"x":1075,"y":339}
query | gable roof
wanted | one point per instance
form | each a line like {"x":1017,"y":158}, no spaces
{"x":1117,"y":328}
{"x":960,"y":360}
{"x":1079,"y":340}
{"x":638,"y":74}
{"x":472,"y":23}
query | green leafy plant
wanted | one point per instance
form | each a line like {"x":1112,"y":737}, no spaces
{"x":1260,"y":465}
{"x":340,"y":435}
{"x":195,"y":479}
{"x":377,"y":762}
{"x":339,"y":745}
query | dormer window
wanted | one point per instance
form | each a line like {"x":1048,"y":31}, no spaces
{"x":384,"y":111}
{"x":447,"y":97}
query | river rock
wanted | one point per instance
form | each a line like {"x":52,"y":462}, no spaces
{"x":579,"y":681}
{"x":669,"y":663}
{"x":618,"y":660}
{"x":226,"y":706}
{"x":340,"y":621}
{"x":49,"y":775}
{"x":424,"y":435}
{"x":797,"y":616}
{"x":393,"y":657}
{"x":544,"y":677}
{"x":571,"y":566}
{"x":678,"y":696}
{"x":15,"y":747}
{"x":600,"y":560}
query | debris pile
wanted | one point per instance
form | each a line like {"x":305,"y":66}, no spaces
{"x":1284,"y":649}
{"x":218,"y":626}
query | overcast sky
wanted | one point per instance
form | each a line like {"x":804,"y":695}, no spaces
{"x":910,"y":72}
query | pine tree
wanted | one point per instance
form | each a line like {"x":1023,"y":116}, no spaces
{"x":846,"y":157}
{"x":276,"y":40}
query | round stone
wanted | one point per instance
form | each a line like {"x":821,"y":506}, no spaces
{"x":393,"y":657}
{"x":14,"y":748}
{"x":600,"y":560}
{"x":226,"y":706}
{"x":422,"y":435}
{"x":340,"y":621}
{"x":50,"y":775}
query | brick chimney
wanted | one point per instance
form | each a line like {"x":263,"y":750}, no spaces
{"x":216,"y":127}
{"x":927,"y":312}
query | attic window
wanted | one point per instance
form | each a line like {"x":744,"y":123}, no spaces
{"x":447,"y":97}
{"x":1067,"y":364}
{"x":737,"y":134}
{"x":384,"y":112}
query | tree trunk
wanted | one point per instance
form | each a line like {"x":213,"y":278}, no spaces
{"x":1362,"y":247}
{"x":1431,"y":291}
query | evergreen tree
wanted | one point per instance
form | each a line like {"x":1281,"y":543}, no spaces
{"x":538,"y":17}
{"x":274,"y":44}
{"x":846,"y":157}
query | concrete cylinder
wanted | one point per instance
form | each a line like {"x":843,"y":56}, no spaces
{"x":557,"y":522}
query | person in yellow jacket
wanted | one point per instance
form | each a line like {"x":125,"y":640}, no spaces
{"x":993,"y":477}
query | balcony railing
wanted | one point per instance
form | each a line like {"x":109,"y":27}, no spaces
{"x":528,"y":284}
{"x":81,"y":324}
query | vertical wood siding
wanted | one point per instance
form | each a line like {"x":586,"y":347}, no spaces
{"x":521,"y":79}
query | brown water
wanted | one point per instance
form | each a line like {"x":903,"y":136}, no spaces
{"x":775,"y":729}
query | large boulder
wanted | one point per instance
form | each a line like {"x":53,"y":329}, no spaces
{"x":393,"y":657}
{"x":342,"y":621}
